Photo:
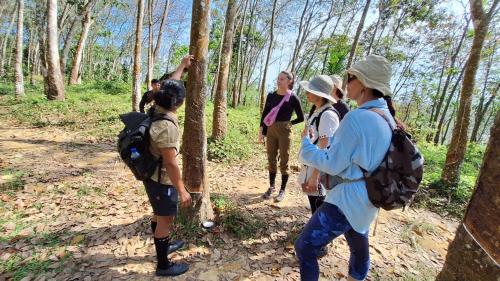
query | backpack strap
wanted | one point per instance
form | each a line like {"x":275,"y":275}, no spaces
{"x":158,"y":118}
{"x":317,"y":119}
{"x":379,"y":112}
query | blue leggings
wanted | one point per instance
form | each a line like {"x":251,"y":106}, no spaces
{"x":326,"y":224}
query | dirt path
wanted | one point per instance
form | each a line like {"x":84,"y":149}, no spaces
{"x":80,"y":213}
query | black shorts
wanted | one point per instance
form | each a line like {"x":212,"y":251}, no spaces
{"x":163,"y":198}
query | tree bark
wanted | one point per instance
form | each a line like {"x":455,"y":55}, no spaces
{"x":149,"y":74}
{"x":136,"y":76}
{"x":18,"y":68}
{"x":473,"y":254}
{"x":450,"y":175}
{"x":54,"y":77}
{"x":6,"y":41}
{"x":77,"y":59}
{"x":356,"y":39}
{"x":219,"y":128}
{"x":268,"y":57}
{"x":194,"y":142}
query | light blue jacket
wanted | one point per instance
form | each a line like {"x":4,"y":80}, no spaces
{"x":362,"y":139}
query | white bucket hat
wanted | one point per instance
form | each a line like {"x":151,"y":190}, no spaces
{"x":373,"y":72}
{"x":321,"y":86}
{"x":337,"y":82}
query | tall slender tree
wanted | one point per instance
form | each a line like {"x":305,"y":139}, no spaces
{"x":54,"y":77}
{"x":87,"y":21}
{"x":194,"y":142}
{"x":450,"y":175}
{"x":149,"y":74}
{"x":5,"y":42}
{"x":219,"y":128}
{"x":268,"y":57}
{"x":18,"y":68}
{"x":136,"y":79}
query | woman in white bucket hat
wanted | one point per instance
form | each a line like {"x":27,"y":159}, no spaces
{"x":361,"y":141}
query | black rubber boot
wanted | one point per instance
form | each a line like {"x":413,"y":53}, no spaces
{"x":164,"y":266}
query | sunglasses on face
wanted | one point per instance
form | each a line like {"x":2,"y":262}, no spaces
{"x":351,"y":78}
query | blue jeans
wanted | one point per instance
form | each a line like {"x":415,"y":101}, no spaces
{"x":326,"y":224}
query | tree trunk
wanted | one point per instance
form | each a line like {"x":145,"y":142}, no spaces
{"x":54,"y":77}
{"x":450,"y":175}
{"x":297,"y":40}
{"x":450,"y":74}
{"x":447,"y":105}
{"x":136,"y":76}
{"x":67,"y":45}
{"x":356,"y":39}
{"x":238,"y":58}
{"x":219,"y":128}
{"x":77,"y":59}
{"x":485,"y":126}
{"x":380,"y":11}
{"x":325,"y":59}
{"x":18,"y":68}
{"x":473,"y":254}
{"x":149,"y":74}
{"x":268,"y":57}
{"x":482,"y":107}
{"x":194,"y":142}
{"x":437,"y":94}
{"x":160,"y":32}
{"x":6,"y":41}
{"x":445,"y":134}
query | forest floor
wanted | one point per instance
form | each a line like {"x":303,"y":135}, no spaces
{"x":70,"y":210}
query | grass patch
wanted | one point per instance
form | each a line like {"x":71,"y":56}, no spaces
{"x":439,"y":198}
{"x":11,"y":180}
{"x":35,"y":266}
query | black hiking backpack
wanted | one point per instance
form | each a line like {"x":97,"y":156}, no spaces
{"x":133,"y":144}
{"x":396,"y":180}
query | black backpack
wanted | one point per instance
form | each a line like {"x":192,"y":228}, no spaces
{"x":135,"y":136}
{"x":396,"y":180}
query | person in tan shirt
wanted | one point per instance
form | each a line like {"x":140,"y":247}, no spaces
{"x":165,"y":188}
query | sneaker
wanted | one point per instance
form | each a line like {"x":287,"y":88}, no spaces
{"x":174,"y":246}
{"x":268,"y":193}
{"x":322,"y":252}
{"x":280,"y":196}
{"x":173,"y":269}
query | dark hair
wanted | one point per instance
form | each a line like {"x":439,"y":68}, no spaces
{"x":392,"y":110}
{"x":339,"y":93}
{"x":171,"y":95}
{"x":154,"y":81}
{"x":290,"y":77}
{"x":387,"y":99}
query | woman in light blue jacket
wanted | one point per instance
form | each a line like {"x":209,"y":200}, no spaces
{"x":361,"y":141}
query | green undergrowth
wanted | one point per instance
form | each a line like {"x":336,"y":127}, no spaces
{"x":436,"y":196}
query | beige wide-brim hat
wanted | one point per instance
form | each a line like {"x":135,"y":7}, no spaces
{"x":373,"y":72}
{"x":337,"y":82}
{"x":321,"y":86}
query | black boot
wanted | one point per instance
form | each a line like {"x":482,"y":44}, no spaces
{"x":172,"y":245}
{"x":164,"y":266}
